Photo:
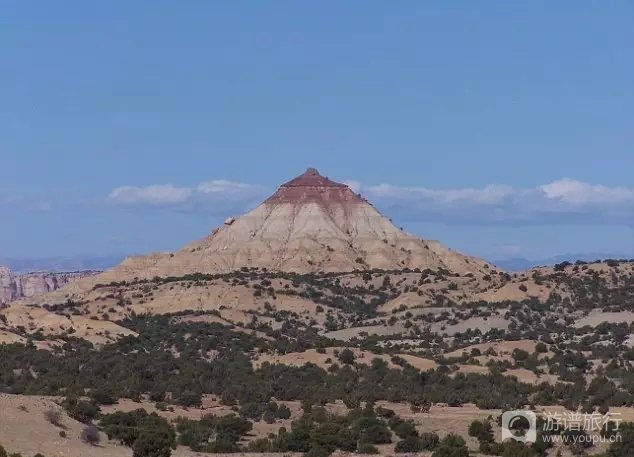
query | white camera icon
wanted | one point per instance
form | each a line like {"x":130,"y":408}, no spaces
{"x":519,"y":426}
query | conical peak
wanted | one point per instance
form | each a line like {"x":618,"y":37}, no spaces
{"x":312,"y":178}
{"x":312,"y":187}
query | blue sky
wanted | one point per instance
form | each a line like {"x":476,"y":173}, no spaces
{"x":502,"y":128}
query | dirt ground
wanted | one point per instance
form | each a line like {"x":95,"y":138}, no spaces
{"x":597,"y":317}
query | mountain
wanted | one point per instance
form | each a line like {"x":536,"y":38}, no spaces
{"x":309,"y":224}
{"x":15,"y":286}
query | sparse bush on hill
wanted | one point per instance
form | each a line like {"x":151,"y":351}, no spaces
{"x":152,"y":443}
{"x":408,"y":445}
{"x":103,"y":396}
{"x":346,"y":356}
{"x":90,"y":435}
{"x":189,"y":398}
{"x":429,"y":441}
{"x":54,"y":416}
{"x":81,"y":410}
{"x":317,"y":451}
{"x":451,"y":446}
{"x":367,"y":448}
{"x":283,"y":412}
{"x":148,"y":434}
{"x":213,"y":434}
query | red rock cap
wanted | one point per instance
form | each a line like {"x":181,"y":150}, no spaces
{"x":312,"y":187}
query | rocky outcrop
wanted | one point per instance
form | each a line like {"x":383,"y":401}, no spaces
{"x":14,"y":286}
{"x":8,"y":286}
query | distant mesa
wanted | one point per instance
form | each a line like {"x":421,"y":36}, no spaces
{"x":15,"y":286}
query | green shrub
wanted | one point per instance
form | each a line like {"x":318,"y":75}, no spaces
{"x":409,"y":444}
{"x":81,"y":410}
{"x":451,"y":446}
{"x":283,"y":412}
{"x":103,"y":396}
{"x":90,"y":435}
{"x":405,"y":429}
{"x":317,"y":451}
{"x":189,"y":398}
{"x":429,"y":441}
{"x":481,"y":430}
{"x":367,"y":448}
{"x":269,"y":417}
{"x":127,"y":427}
{"x":151,"y":443}
{"x":347,"y":356}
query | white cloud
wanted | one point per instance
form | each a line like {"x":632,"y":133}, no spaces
{"x":580,"y":193}
{"x":564,"y":201}
{"x":157,"y":194}
{"x":223,"y":186}
{"x":488,"y":195}
{"x":565,"y":190}
{"x":217,"y":192}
